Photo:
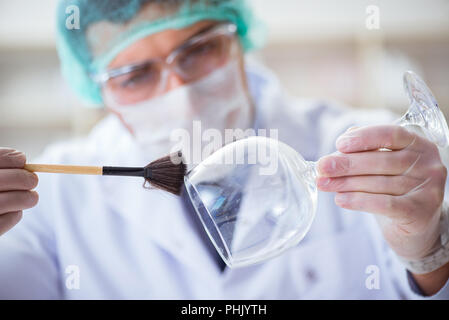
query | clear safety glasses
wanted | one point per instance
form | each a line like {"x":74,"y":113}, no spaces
{"x":193,"y":60}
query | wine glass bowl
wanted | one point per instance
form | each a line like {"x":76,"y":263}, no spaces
{"x":249,"y":212}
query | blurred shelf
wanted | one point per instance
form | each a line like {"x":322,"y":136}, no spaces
{"x":27,"y":25}
{"x":305,"y":21}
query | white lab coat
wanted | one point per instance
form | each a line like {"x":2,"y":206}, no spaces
{"x":93,"y":237}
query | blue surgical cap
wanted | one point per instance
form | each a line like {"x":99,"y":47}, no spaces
{"x":107,"y":27}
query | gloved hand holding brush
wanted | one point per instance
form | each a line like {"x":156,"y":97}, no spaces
{"x":16,"y":186}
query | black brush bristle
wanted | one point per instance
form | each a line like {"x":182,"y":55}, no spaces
{"x":167,"y":173}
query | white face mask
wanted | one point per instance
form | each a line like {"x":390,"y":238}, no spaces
{"x":218,"y":101}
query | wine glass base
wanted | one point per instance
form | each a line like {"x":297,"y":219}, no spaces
{"x":424,"y":110}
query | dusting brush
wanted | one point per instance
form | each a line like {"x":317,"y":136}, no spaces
{"x":166,"y":173}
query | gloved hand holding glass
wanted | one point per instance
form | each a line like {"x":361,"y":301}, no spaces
{"x":251,"y":216}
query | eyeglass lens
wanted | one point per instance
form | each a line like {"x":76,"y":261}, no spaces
{"x":191,"y":64}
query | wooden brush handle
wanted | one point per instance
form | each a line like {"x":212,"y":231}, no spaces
{"x":56,"y":168}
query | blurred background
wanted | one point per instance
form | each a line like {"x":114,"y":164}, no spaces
{"x":318,"y":48}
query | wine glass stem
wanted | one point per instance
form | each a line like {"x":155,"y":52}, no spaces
{"x":411,"y":119}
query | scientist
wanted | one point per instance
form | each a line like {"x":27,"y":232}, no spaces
{"x":380,"y":230}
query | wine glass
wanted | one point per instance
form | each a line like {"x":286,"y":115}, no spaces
{"x":252,"y":213}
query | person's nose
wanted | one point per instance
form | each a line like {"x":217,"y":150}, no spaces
{"x":174,"y":81}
